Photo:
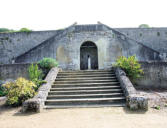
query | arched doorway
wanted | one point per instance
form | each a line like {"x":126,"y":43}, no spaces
{"x":88,"y":56}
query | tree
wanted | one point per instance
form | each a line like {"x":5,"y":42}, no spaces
{"x":144,"y":26}
{"x":25,"y":30}
{"x":4,"y":30}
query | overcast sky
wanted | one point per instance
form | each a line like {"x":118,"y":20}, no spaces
{"x":55,"y":14}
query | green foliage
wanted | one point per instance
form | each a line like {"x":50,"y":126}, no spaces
{"x":34,"y":72}
{"x":48,"y":63}
{"x":3,"y":91}
{"x":144,"y":26}
{"x":19,"y":91}
{"x":157,"y":107}
{"x":35,"y":75}
{"x":25,"y":30}
{"x":130,"y":65}
{"x":4,"y":30}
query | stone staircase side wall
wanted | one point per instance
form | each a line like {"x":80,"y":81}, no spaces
{"x":133,"y":100}
{"x":37,"y":103}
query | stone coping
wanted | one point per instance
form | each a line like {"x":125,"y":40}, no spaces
{"x":37,"y":103}
{"x":134,"y":100}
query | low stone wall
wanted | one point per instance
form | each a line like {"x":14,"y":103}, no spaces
{"x":155,"y":75}
{"x":13,"y":71}
{"x":37,"y":103}
{"x":133,"y":100}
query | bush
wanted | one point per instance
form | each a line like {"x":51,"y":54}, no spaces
{"x":35,"y":75}
{"x":48,"y":63}
{"x":19,"y":91}
{"x":3,"y":91}
{"x":130,"y":65}
{"x":34,"y":72}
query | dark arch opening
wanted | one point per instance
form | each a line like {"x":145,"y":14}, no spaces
{"x":88,"y":52}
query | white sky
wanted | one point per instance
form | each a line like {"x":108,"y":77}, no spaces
{"x":55,"y":14}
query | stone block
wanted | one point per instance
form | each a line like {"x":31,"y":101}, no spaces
{"x":137,"y":102}
{"x":31,"y":105}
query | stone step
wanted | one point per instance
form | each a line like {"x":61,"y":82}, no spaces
{"x":83,"y":101}
{"x":97,"y":105}
{"x":97,"y":88}
{"x":85,"y":84}
{"x":101,"y":95}
{"x":82,"y":73}
{"x":80,"y":76}
{"x":85,"y":74}
{"x":86,"y":88}
{"x":85,"y":81}
{"x":85,"y":71}
{"x":85,"y":91}
{"x":85,"y":78}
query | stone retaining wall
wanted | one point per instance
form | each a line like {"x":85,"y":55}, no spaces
{"x":155,"y":75}
{"x":17,"y":43}
{"x":13,"y":71}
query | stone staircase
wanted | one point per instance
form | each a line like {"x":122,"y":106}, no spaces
{"x":97,"y":88}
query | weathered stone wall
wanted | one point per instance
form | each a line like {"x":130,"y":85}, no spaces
{"x":133,"y":47}
{"x":66,"y":47}
{"x":15,"y":44}
{"x":155,"y":38}
{"x":155,"y":75}
{"x":13,"y":71}
{"x":134,"y":100}
{"x":37,"y":102}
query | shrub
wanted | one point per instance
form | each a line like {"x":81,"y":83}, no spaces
{"x":35,"y":75}
{"x":48,"y":63}
{"x":157,"y":107}
{"x":19,"y":91}
{"x":3,"y":91}
{"x":34,"y":72}
{"x":130,"y":65}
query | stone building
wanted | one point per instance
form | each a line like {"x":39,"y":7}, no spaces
{"x":78,"y":46}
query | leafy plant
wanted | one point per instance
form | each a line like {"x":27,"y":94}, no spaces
{"x":157,"y":107}
{"x":35,"y":75}
{"x":130,"y":65}
{"x":48,"y":63}
{"x":19,"y":91}
{"x":3,"y":91}
{"x":34,"y":72}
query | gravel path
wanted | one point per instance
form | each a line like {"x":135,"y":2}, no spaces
{"x":114,"y":117}
{"x":84,"y":118}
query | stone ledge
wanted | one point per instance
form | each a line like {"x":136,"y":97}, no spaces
{"x":133,"y":100}
{"x":36,"y":104}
